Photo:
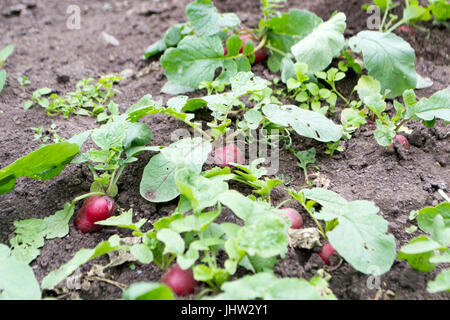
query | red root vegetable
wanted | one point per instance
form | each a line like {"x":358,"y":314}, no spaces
{"x":294,"y":216}
{"x":95,"y":208}
{"x":326,"y":252}
{"x":401,"y":140}
{"x":407,"y":29}
{"x":181,"y":281}
{"x":224,"y":155}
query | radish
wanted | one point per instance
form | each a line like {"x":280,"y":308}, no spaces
{"x":294,"y":216}
{"x":229,"y":153}
{"x":407,"y":29}
{"x":402,"y":140}
{"x":260,"y":55}
{"x":326,"y":252}
{"x":181,"y":281}
{"x":95,"y":208}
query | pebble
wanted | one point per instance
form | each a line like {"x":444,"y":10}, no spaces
{"x":109,"y":39}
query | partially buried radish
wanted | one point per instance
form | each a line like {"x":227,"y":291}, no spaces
{"x":326,"y":252}
{"x":401,"y":140}
{"x":224,"y":155}
{"x":95,"y":208}
{"x":181,"y":281}
{"x":294,"y":216}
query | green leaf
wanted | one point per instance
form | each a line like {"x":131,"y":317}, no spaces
{"x":265,"y":236}
{"x":437,"y":106}
{"x":201,"y":192}
{"x":206,"y":20}
{"x":414,"y":13}
{"x":111,"y":134}
{"x":306,"y":157}
{"x":360,"y":236}
{"x":124,"y":220}
{"x":17,"y":279}
{"x":418,"y":253}
{"x":5,"y":53}
{"x":367,"y":86}
{"x":196,"y":59}
{"x":441,"y":283}
{"x":267,"y":286}
{"x":172,"y":240}
{"x":324,"y":43}
{"x":388,"y":58}
{"x":142,"y":253}
{"x":426,"y":216}
{"x":384,"y":134}
{"x":287,"y":29}
{"x":57,"y":225}
{"x":202,"y":273}
{"x":2,"y":79}
{"x":195,"y":223}
{"x":137,"y":134}
{"x":243,"y":207}
{"x":155,"y":48}
{"x":80,"y":258}
{"x":306,"y":123}
{"x":158,"y":182}
{"x":148,"y":291}
{"x":42,"y":164}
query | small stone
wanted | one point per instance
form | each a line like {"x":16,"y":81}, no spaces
{"x":109,"y":39}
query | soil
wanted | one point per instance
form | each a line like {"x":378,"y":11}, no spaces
{"x":52,"y":55}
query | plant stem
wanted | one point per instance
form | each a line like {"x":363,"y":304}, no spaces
{"x":385,"y":15}
{"x":268,"y":46}
{"x":333,"y":86}
{"x":315,"y":220}
{"x":87,"y":195}
{"x":400,"y":125}
{"x":284,"y":202}
{"x":261,"y":44}
{"x":234,"y":134}
{"x":395,"y":26}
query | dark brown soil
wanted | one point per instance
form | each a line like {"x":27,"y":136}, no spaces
{"x":46,"y":50}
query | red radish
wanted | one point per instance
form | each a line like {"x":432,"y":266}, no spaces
{"x":326,"y":252}
{"x":260,"y":55}
{"x":181,"y":281}
{"x":407,"y":29}
{"x":95,"y":208}
{"x":294,"y":216}
{"x":402,"y":140}
{"x":229,"y":153}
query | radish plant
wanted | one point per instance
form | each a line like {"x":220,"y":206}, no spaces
{"x":425,"y":110}
{"x":352,"y":228}
{"x":89,"y":99}
{"x":426,"y":252}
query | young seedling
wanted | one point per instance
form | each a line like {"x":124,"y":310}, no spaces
{"x":89,"y":99}
{"x":305,"y":158}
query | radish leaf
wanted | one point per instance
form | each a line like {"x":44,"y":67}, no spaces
{"x":324,"y":43}
{"x":388,"y":58}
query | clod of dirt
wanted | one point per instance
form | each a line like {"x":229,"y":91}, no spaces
{"x":306,"y":238}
